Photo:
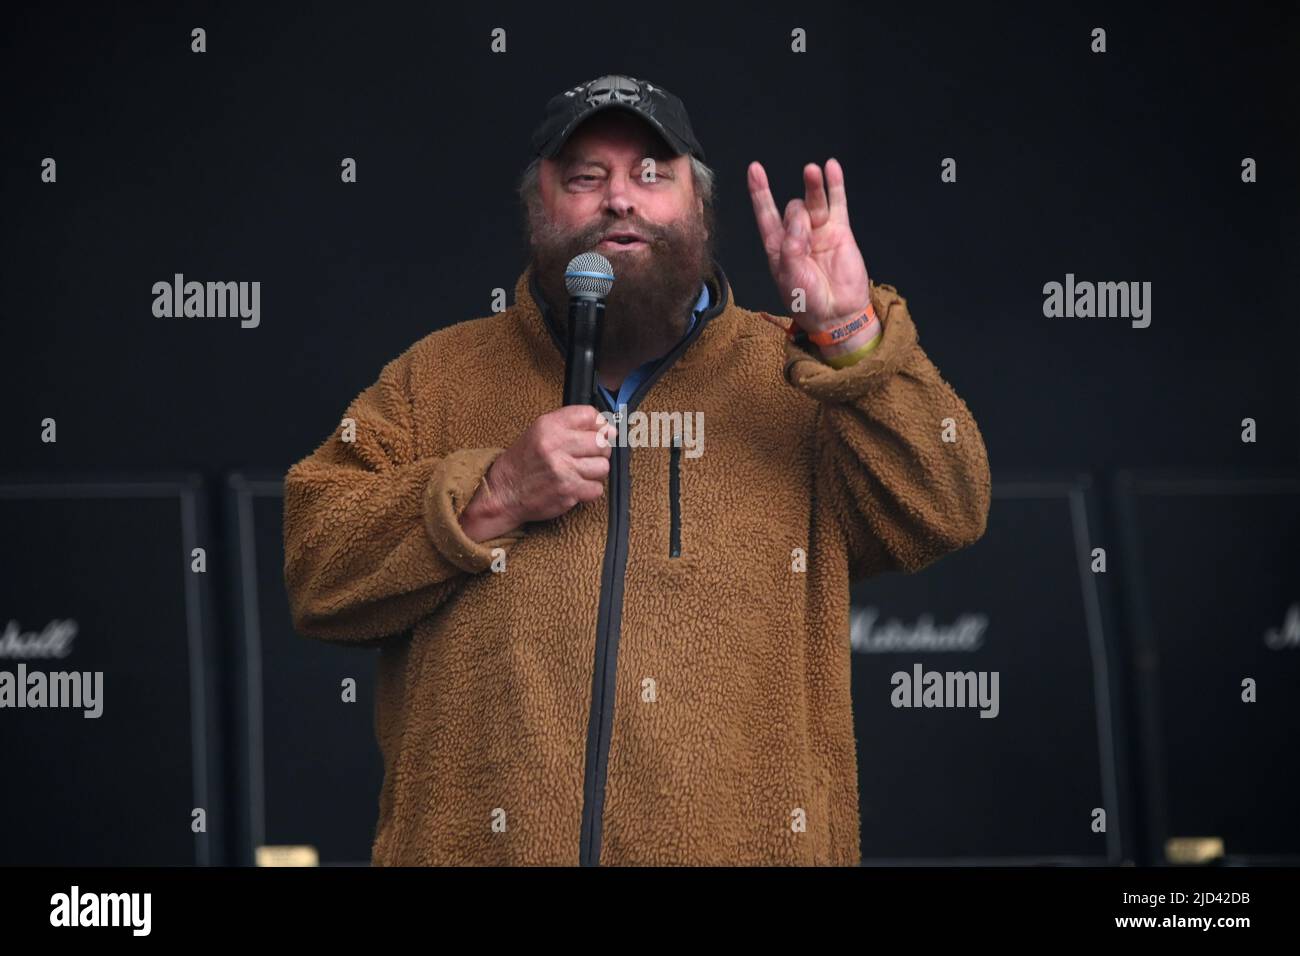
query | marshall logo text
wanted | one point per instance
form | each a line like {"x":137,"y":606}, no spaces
{"x":54,"y":641}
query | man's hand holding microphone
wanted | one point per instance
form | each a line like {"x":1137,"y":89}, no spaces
{"x":560,"y":460}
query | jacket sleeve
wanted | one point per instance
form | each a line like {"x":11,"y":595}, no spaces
{"x":372,"y":537}
{"x":901,"y":464}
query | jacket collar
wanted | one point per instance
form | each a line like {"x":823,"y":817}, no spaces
{"x":713,"y":330}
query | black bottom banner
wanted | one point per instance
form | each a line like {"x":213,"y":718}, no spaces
{"x":307,"y":905}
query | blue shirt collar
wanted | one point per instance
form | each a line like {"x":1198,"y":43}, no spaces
{"x":638,"y":374}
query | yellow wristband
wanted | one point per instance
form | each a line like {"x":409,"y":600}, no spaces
{"x":851,"y":358}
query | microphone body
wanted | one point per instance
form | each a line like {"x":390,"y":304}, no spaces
{"x":585,"y":315}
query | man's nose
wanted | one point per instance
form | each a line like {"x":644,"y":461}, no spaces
{"x":618,"y":195}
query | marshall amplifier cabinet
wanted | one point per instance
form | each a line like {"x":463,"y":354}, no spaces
{"x":986,"y":718}
{"x":309,"y":766}
{"x":107,"y":695}
{"x":1213,"y":570}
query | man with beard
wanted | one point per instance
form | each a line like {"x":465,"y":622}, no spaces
{"x":600,"y":186}
{"x":661,"y":677}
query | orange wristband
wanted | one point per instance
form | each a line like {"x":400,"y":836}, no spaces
{"x":840,"y":332}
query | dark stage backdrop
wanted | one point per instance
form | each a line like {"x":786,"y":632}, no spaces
{"x":1122,"y":166}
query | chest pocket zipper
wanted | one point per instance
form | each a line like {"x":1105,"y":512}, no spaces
{"x":675,"y":498}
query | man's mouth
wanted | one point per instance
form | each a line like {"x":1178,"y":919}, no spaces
{"x":622,"y":240}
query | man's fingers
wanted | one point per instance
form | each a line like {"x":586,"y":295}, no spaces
{"x":600,"y":442}
{"x":592,"y":469}
{"x":797,"y":236}
{"x":839,"y":199}
{"x":765,"y":214}
{"x":606,"y":437}
{"x":579,"y":416}
{"x":591,"y":491}
{"x":579,"y":442}
{"x":815,"y":195}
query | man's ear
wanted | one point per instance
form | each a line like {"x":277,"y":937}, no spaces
{"x":699,"y":207}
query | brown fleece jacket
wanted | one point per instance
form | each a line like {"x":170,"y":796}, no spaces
{"x":660,"y":676}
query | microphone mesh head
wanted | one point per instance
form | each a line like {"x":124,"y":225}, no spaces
{"x":589,"y":275}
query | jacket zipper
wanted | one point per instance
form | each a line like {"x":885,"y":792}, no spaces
{"x":674,"y":498}
{"x":600,"y":722}
{"x":609,"y":617}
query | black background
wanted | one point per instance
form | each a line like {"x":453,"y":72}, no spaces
{"x":224,"y":166}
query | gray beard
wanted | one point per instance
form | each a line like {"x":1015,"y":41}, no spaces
{"x":648,"y":309}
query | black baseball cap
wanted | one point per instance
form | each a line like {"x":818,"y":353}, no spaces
{"x":665,"y":112}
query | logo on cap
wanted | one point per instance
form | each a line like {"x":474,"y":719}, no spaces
{"x":613,"y":89}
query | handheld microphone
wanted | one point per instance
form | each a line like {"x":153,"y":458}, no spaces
{"x":588,"y":278}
